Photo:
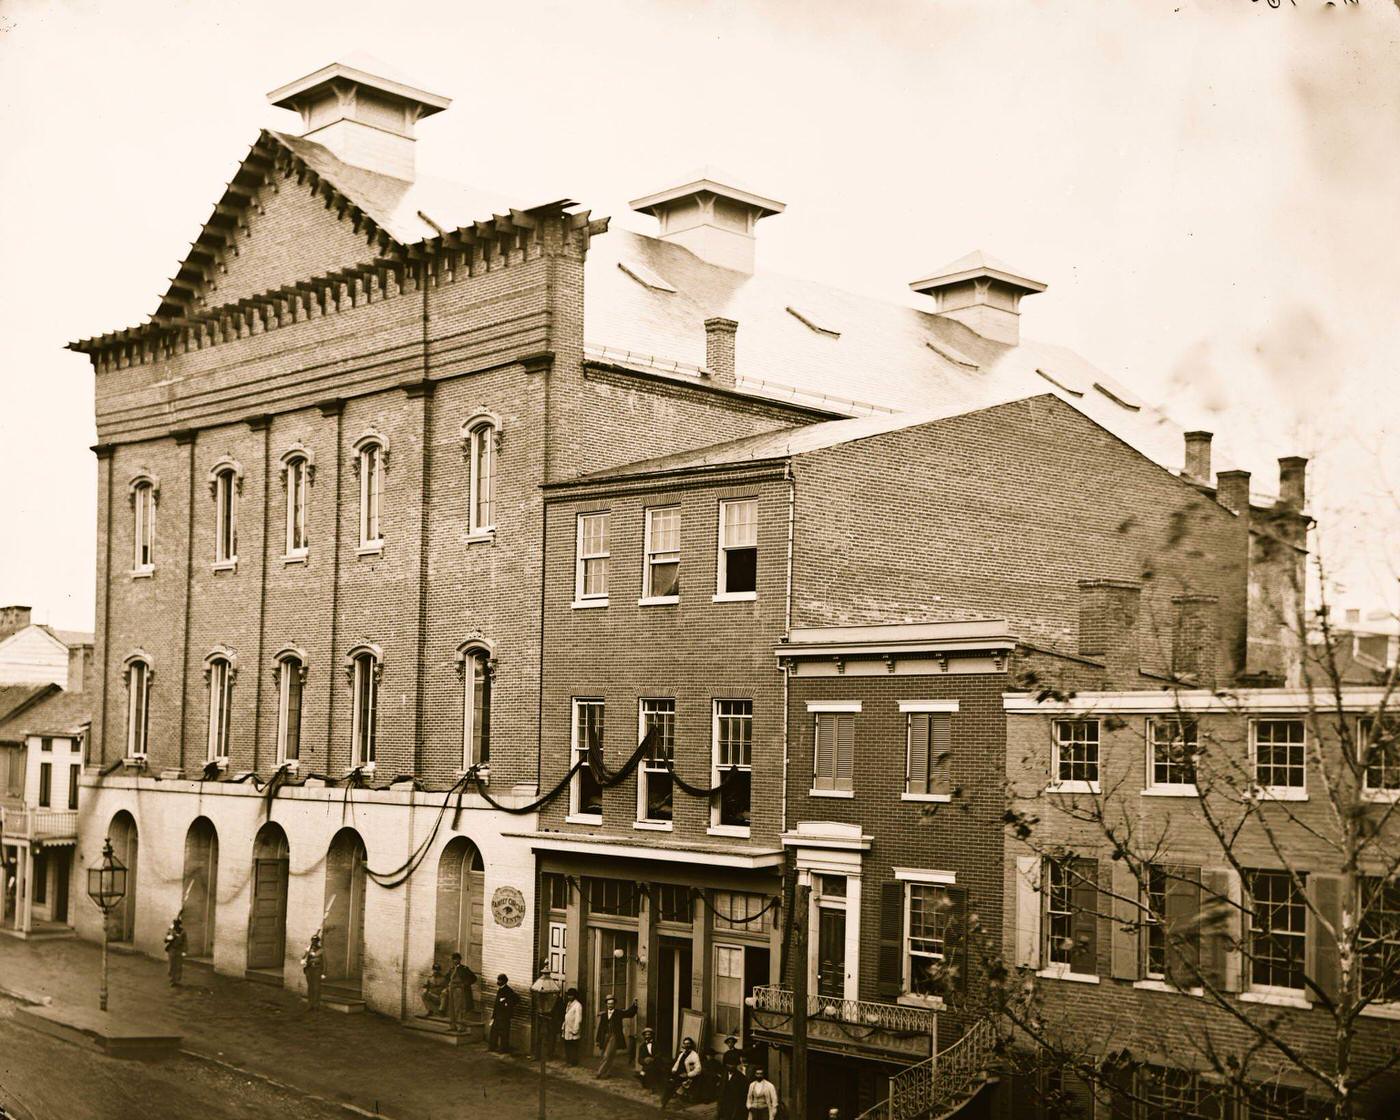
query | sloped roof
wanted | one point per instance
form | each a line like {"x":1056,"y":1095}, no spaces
{"x":71,"y":638}
{"x":16,"y":697}
{"x":59,"y":713}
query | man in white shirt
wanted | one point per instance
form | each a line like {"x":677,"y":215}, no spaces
{"x":763,"y":1097}
{"x":572,"y":1030}
{"x":684,"y":1070}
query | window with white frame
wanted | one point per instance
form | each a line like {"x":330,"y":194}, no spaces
{"x":586,"y":794}
{"x":654,"y":784}
{"x":1379,"y":744}
{"x":591,"y":570}
{"x":138,"y":707}
{"x":828,"y":948}
{"x":1379,"y":939}
{"x":143,"y":500}
{"x":481,"y":455}
{"x":1154,"y":923}
{"x":370,"y":460}
{"x":1278,"y":931}
{"x":291,"y":676}
{"x":932,"y":938}
{"x":834,"y":751}
{"x":364,"y":717}
{"x":729,"y":989}
{"x":1070,"y":915}
{"x":225,"y":516}
{"x":476,"y":708}
{"x":928,"y":754}
{"x":1280,"y":747}
{"x":1174,"y":749}
{"x":220,"y":676}
{"x":733,"y":762}
{"x":297,"y":479}
{"x":1076,"y":753}
{"x":737,"y":574}
{"x":661,"y":574}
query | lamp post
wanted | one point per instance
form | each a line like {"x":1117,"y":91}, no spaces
{"x":545,"y":991}
{"x":106,"y":887}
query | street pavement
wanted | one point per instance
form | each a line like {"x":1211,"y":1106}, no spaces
{"x":276,"y":1058}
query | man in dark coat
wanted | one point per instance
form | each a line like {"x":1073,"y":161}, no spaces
{"x":460,"y":981}
{"x":501,"y":1012}
{"x":651,"y":1070}
{"x":609,"y":1037}
{"x":733,"y":1103}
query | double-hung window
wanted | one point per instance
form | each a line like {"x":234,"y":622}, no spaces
{"x":1379,"y":744}
{"x":364,"y":717}
{"x":1280,"y":752}
{"x":1070,"y":917}
{"x":834,"y":751}
{"x":143,"y":498}
{"x":737,"y":575}
{"x":226,"y":517}
{"x":1076,"y":764}
{"x":291,"y":674}
{"x":75,"y":772}
{"x":220,"y":707}
{"x":1379,"y":940}
{"x":297,"y":478}
{"x":476,"y":709}
{"x":733,"y":763}
{"x":1173,"y":761}
{"x":371,"y":463}
{"x":662,"y":572}
{"x":45,"y":784}
{"x":1277,"y":932}
{"x":1154,"y":923}
{"x":934,"y":917}
{"x":591,"y":565}
{"x":138,"y":702}
{"x":586,"y":794}
{"x":654,"y":792}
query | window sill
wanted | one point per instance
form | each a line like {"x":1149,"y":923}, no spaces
{"x":300,"y":556}
{"x":290,"y":765}
{"x":142,"y":573}
{"x":584,"y":818}
{"x":1380,"y":797}
{"x":483,"y":774}
{"x":831,"y":793}
{"x":735,"y":597}
{"x":1277,"y":999}
{"x":1163,"y":986}
{"x":654,"y":826}
{"x":367,"y":769}
{"x":481,"y":536}
{"x":220,"y":763}
{"x":370,"y":548}
{"x":1054,"y":973}
{"x":1281,"y":793}
{"x":658,"y":600}
{"x":230,"y":565}
{"x":1171,"y":791}
{"x":1072,"y":787}
{"x":1381,"y":1011}
{"x":943,"y":797}
{"x":931,"y":1003}
{"x":738,"y":831}
{"x":588,"y":604}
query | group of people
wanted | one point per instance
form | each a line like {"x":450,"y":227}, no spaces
{"x":450,"y":995}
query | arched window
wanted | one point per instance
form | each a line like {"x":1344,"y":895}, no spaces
{"x":225,"y":486}
{"x":143,"y":502}
{"x":476,"y":718}
{"x":482,"y":434}
{"x":138,"y":704}
{"x":298,"y":478}
{"x":290,"y":669}
{"x":371,"y":455}
{"x":219,"y":672}
{"x":365,"y":668}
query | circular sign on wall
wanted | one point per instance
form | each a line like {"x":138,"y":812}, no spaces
{"x":508,"y":907}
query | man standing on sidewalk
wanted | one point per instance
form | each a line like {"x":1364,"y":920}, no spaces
{"x":175,"y":943}
{"x":763,"y":1097}
{"x":572,"y":1029}
{"x":313,"y":966}
{"x":460,"y":981}
{"x":609,"y":1037}
{"x":501,"y":1012}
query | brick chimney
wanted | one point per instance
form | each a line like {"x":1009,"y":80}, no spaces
{"x":1108,"y":627}
{"x":982,"y":293}
{"x":79,"y":668}
{"x":13,"y":620}
{"x":713,"y":220}
{"x":1195,"y":635}
{"x":363,"y":118}
{"x":1232,"y":491}
{"x":719,"y":350}
{"x":1292,"y":482}
{"x":1197,"y":463}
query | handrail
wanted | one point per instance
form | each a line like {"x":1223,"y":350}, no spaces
{"x":41,"y":823}
{"x":935,"y":1085}
{"x":886,"y":1016}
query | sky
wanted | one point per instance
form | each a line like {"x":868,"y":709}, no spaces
{"x":1208,"y":188}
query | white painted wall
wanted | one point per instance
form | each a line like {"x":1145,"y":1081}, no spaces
{"x":33,"y":656}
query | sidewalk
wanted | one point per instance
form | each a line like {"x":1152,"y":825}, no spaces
{"x":367,"y":1061}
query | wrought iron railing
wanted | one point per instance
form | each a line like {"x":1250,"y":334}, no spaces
{"x":885,"y":1016}
{"x":41,"y":824}
{"x":936,"y":1085}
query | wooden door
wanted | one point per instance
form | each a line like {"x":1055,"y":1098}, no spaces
{"x":473,"y":903}
{"x":267,"y":938}
{"x":831,"y":953}
{"x":62,"y":863}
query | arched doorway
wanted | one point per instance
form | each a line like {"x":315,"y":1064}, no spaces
{"x":343,"y":928}
{"x":200,"y":888}
{"x":121,"y":920}
{"x":267,"y":919}
{"x":461,"y":893}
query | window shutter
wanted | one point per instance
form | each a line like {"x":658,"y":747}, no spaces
{"x":1084,"y":899}
{"x":845,"y":751}
{"x":1028,"y":898}
{"x":1120,"y":1085}
{"x":1183,"y":932}
{"x":1325,"y":894}
{"x":918,"y":753}
{"x":955,"y":956}
{"x":890,"y":972}
{"x":1220,"y":919}
{"x":824,"y":756}
{"x":940,"y":752}
{"x":1127,"y":918}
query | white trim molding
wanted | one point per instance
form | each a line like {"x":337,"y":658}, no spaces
{"x":221,"y":653}
{"x":920,"y":875}
{"x":143,"y":477}
{"x":221,"y":465}
{"x":928,"y":705}
{"x":297,"y":451}
{"x":833,"y":705}
{"x":1168,"y":701}
{"x":371,"y":437}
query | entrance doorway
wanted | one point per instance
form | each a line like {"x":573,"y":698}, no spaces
{"x":613,"y":961}
{"x":62,"y":863}
{"x":267,"y":923}
{"x":461,"y":891}
{"x":756,"y":965}
{"x":343,"y":927}
{"x":831,"y":953}
{"x":673,"y":974}
{"x":121,"y":920}
{"x":199,"y":897}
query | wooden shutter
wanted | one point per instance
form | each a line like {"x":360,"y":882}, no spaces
{"x":1127,"y":927}
{"x":1183,"y":890}
{"x":1220,"y":928}
{"x":1325,"y":894}
{"x":890,"y":964}
{"x":824,"y":765}
{"x":1084,"y":902}
{"x":940,"y":753}
{"x":845,"y":750}
{"x":1028,"y":896}
{"x":918,"y":753}
{"x":955,"y":955}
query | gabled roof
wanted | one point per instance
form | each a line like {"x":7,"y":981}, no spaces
{"x":975,"y":264}
{"x":14,"y":698}
{"x":55,"y":713}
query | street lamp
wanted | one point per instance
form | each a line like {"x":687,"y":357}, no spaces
{"x":545,"y":991}
{"x":106,"y":887}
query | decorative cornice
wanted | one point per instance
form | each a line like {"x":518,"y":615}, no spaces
{"x":358,"y":650}
{"x":297,"y":451}
{"x":476,"y":644}
{"x":371,"y":438}
{"x":221,"y":653}
{"x":542,"y":362}
{"x":260,"y":422}
{"x":481,"y":417}
{"x":416,"y":389}
{"x":333,"y":407}
{"x":285,"y":656}
{"x":142,"y":477}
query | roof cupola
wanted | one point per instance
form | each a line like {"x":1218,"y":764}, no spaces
{"x":982,"y":293}
{"x":715,"y":221}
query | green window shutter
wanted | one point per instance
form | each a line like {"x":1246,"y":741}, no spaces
{"x":1183,"y":926}
{"x":1325,"y":893}
{"x":1084,"y":900}
{"x":1127,"y":923}
{"x":940,"y":753}
{"x":824,"y":766}
{"x":845,"y":751}
{"x":918,"y":753}
{"x":1220,"y":929}
{"x":890,"y":963}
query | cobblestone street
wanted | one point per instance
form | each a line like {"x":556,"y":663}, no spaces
{"x":277,"y":1059}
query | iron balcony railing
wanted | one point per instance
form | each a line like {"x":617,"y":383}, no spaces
{"x":885,"y":1016}
{"x":40,"y":824}
{"x":934,"y":1087}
